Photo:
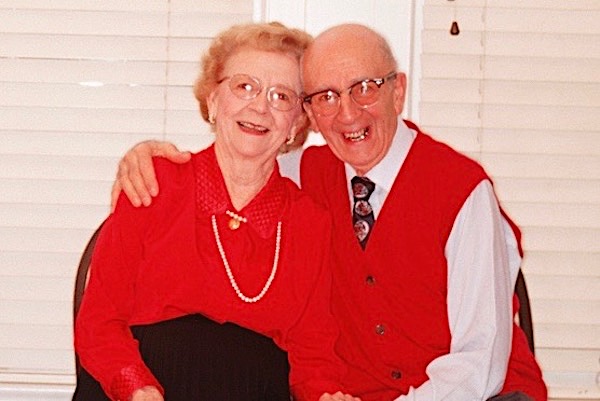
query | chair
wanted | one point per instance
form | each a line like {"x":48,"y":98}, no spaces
{"x":525,"y":320}
{"x":81,"y":279}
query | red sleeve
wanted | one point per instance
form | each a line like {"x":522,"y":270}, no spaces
{"x":103,"y":339}
{"x":315,"y":367}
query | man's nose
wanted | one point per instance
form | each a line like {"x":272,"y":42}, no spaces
{"x":349,"y":110}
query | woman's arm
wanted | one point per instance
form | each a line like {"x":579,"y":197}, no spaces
{"x":315,"y":367}
{"x":103,"y":339}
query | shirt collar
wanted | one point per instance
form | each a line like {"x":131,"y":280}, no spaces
{"x":385,"y":172}
{"x":263,"y":212}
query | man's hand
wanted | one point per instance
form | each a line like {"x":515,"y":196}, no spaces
{"x":339,"y":396}
{"x":136,"y":176}
{"x":148,"y":393}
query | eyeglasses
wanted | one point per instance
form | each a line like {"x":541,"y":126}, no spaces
{"x":246,"y":87}
{"x":364,"y":93}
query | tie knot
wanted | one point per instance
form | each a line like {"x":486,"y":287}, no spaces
{"x":362,"y":188}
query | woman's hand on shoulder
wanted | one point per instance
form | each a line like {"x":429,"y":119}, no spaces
{"x":339,"y":396}
{"x":148,"y":393}
{"x":136,"y":176}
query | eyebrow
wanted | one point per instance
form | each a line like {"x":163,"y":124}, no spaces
{"x":353,"y":82}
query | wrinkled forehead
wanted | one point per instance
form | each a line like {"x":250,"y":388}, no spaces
{"x":338,"y":65}
{"x":271,"y":68}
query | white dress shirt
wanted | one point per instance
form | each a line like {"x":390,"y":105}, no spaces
{"x":483,"y":263}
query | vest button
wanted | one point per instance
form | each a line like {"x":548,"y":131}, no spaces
{"x":370,"y":280}
{"x":396,"y":374}
{"x":380,"y":329}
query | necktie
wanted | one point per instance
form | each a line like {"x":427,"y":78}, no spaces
{"x":362,"y":212}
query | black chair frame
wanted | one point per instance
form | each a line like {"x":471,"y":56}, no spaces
{"x":525,"y":318}
{"x":81,"y":280}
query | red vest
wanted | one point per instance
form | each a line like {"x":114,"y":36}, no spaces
{"x":390,"y":300}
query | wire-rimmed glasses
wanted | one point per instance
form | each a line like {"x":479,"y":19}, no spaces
{"x":248,"y":87}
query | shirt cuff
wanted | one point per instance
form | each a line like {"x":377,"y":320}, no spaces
{"x":130,"y":379}
{"x":312,"y":392}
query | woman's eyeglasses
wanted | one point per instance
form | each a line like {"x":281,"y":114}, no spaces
{"x":247,"y":87}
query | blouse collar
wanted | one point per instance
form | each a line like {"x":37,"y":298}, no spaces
{"x":263,"y":212}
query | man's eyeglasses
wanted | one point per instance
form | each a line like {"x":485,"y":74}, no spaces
{"x":364,"y":93}
{"x":246,"y":87}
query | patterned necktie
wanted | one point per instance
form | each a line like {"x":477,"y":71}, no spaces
{"x":362,"y":212}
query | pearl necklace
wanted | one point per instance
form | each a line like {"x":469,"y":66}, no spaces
{"x":232,"y":281}
{"x":236,"y":220}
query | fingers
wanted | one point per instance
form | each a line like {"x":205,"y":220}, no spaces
{"x":132,"y":179}
{"x":339,"y":396}
{"x":162,"y":149}
{"x":170,"y":152}
{"x":144,"y":179}
{"x":136,"y":176}
{"x":148,"y":393}
{"x":142,"y":175}
{"x":114,"y":195}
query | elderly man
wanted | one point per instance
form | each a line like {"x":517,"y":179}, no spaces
{"x":425,"y":259}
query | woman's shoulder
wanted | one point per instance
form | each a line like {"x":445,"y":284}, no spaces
{"x":173,"y":178}
{"x":165,"y":167}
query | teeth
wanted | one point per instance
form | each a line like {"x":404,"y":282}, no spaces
{"x":252,"y":126}
{"x":357,"y":136}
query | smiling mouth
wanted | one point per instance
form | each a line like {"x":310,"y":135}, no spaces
{"x":357,"y":136}
{"x":250,"y":126}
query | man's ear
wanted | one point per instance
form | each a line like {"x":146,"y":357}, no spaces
{"x":399,"y":92}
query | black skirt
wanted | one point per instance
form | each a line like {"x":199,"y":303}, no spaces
{"x":197,"y":359}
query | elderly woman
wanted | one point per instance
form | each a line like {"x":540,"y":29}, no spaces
{"x":185,"y":296}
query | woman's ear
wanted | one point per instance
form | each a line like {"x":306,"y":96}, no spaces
{"x":211,"y":105}
{"x":300,"y":124}
{"x":297,"y":135}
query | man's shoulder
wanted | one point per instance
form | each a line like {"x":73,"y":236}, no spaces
{"x":301,"y":199}
{"x":320,"y":151}
{"x":317,"y":158}
{"x":440,"y":153}
{"x":320,"y":169}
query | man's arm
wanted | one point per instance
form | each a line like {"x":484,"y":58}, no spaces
{"x":481,"y":255}
{"x":135,"y":175}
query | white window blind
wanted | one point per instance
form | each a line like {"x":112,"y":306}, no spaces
{"x":519,"y":90}
{"x":81,"y":82}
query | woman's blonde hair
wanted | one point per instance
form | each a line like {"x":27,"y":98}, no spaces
{"x":273,"y":37}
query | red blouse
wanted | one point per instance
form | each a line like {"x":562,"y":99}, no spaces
{"x":162,"y":262}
